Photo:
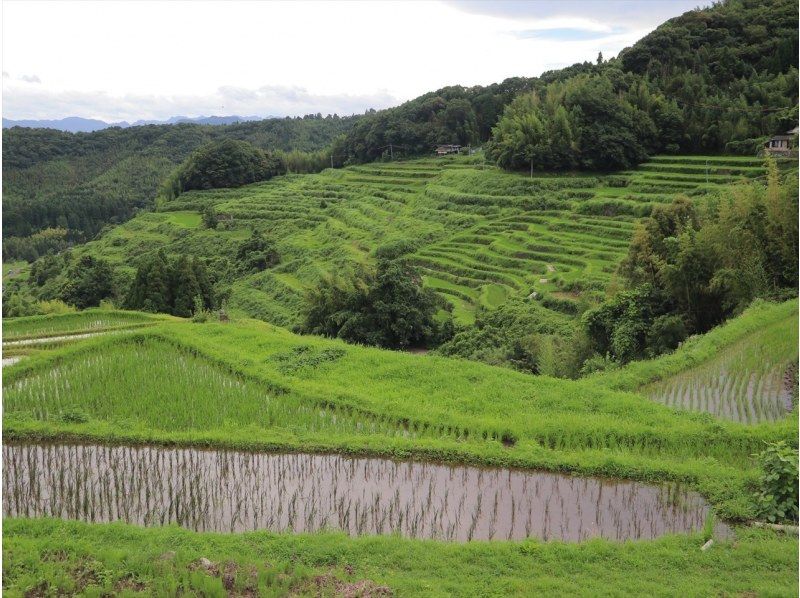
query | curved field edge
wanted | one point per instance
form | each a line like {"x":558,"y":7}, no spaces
{"x":89,"y":320}
{"x":712,"y":457}
{"x":71,"y":557}
{"x":702,"y":348}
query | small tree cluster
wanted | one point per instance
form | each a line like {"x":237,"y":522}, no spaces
{"x":226,"y":163}
{"x":179,"y":286}
{"x":256,"y":254}
{"x":386,"y":308}
{"x":89,"y":281}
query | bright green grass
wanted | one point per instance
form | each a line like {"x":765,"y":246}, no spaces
{"x":66,"y":557}
{"x":185,"y":219}
{"x":89,"y":320}
{"x":175,"y":391}
{"x":12,"y":270}
{"x":454,"y":410}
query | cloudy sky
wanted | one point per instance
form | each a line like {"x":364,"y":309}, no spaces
{"x":140,"y":60}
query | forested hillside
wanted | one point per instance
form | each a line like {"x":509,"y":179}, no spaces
{"x":62,"y":188}
{"x":714,"y":80}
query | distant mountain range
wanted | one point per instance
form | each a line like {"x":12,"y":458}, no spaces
{"x":76,"y":124}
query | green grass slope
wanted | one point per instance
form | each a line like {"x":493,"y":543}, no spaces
{"x":483,"y":235}
{"x":757,"y":344}
{"x":63,"y":557}
{"x":86,"y":321}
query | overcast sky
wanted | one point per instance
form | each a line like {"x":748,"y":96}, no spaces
{"x":139,"y":59}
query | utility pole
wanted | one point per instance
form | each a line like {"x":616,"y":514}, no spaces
{"x":531,"y":167}
{"x":391,"y":152}
{"x":706,"y":172}
{"x":331,"y":159}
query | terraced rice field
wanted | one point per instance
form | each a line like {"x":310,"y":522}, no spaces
{"x":90,"y":321}
{"x":754,"y":380}
{"x":482,"y":235}
{"x":228,"y":491}
{"x":183,"y":393}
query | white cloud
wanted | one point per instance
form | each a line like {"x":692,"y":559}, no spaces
{"x":39,"y":103}
{"x":142,"y":59}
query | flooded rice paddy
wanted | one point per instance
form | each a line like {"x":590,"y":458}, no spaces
{"x":229,"y":491}
{"x":741,"y":395}
{"x":751,"y":381}
{"x":11,"y":360}
{"x":45,"y":340}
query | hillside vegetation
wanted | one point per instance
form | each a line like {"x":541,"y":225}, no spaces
{"x":715,"y":79}
{"x":61,"y":188}
{"x":718,"y":79}
{"x":509,"y":255}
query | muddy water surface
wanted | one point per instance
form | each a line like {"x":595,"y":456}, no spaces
{"x":227,"y":491}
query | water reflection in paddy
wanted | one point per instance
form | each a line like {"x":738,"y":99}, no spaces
{"x":228,"y":491}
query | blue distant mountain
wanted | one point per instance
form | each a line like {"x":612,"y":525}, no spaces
{"x":77,"y":124}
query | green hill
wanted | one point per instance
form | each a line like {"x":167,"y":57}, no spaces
{"x":483,"y":236}
{"x":77,"y":183}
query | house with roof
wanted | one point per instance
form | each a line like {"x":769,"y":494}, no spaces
{"x":443,"y":150}
{"x":784,"y":145}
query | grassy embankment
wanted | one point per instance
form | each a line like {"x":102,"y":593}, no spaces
{"x":83,"y":322}
{"x":253,"y":386}
{"x":69,"y":557}
{"x":745,"y":369}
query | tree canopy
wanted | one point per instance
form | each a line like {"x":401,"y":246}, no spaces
{"x":386,"y":308}
{"x":226,"y":163}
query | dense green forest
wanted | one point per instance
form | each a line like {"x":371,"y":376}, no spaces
{"x":63,"y":188}
{"x":713,"y":80}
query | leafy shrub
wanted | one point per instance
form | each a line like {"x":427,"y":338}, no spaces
{"x":777,"y":496}
{"x":257,"y":254}
{"x":387,"y":308}
{"x":396,"y":249}
{"x":210,"y":219}
{"x":226,"y":163}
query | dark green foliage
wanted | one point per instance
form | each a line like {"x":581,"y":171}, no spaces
{"x":731,"y":69}
{"x":523,"y":334}
{"x":777,"y":496}
{"x":388,"y":308}
{"x":89,"y":281}
{"x":48,"y":240}
{"x":450,"y":115}
{"x":257,"y":254}
{"x":689,"y":268}
{"x":210,"y":219}
{"x":226,"y":163}
{"x":179,"y":287}
{"x":619,"y":327}
{"x":82,"y":181}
